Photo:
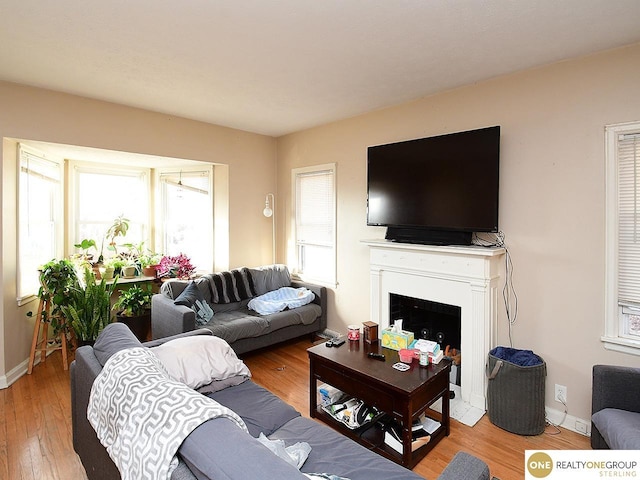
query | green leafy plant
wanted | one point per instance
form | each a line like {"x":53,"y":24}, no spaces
{"x":85,"y":245}
{"x":88,"y":308}
{"x":134,"y":301}
{"x":118,"y":228}
{"x":57,"y":279}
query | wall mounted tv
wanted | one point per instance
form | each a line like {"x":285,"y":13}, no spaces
{"x":435,"y":190}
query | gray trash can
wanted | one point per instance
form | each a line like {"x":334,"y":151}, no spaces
{"x":515,"y":394}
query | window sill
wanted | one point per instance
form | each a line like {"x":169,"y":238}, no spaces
{"x":619,"y":344}
{"x":315,"y":281}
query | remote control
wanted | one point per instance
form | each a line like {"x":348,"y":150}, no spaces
{"x":377,"y":356}
{"x":338,"y":341}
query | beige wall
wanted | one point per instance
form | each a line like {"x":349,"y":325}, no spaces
{"x":36,"y":114}
{"x":551,"y":199}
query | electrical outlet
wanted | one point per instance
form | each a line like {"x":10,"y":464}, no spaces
{"x":561,"y":393}
{"x":581,"y":427}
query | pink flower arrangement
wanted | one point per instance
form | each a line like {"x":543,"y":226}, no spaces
{"x":175,"y":267}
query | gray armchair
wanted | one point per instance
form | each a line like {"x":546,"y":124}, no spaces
{"x":615,"y":408}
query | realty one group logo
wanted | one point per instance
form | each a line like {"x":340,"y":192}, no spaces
{"x":582,"y":464}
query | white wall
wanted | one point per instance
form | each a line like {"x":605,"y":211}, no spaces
{"x":551,"y":199}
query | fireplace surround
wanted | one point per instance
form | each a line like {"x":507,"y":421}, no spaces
{"x":468,"y":277}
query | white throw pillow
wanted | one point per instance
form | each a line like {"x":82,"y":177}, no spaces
{"x":199,"y":360}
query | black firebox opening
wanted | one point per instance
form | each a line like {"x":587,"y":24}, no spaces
{"x":434,"y":321}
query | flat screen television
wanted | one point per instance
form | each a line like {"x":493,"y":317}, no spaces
{"x":435,"y":190}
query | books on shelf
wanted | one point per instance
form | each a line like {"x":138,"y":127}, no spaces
{"x":429,"y":424}
{"x":393,"y":436}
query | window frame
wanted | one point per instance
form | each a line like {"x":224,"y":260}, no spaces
{"x":613,"y":337}
{"x":160,"y":205}
{"x":76,"y":166}
{"x":23,"y":298}
{"x":331,"y":280}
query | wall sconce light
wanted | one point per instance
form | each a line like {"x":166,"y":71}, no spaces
{"x":269,"y":211}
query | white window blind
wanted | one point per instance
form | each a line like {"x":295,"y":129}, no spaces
{"x":622,"y":273}
{"x":315,"y":214}
{"x":629,"y":219}
{"x":39,"y":218}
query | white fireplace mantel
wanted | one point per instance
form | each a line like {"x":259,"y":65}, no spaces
{"x":464,"y":276}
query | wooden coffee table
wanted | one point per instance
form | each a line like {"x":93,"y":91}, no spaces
{"x":402,"y":395}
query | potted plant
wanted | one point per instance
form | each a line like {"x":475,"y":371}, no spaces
{"x":133,"y":308}
{"x":88,"y":307}
{"x":108,"y":270}
{"x":175,"y":266}
{"x":129,"y":269}
{"x":85,"y":245}
{"x":149,"y":263}
{"x":118,"y":228}
{"x":57,"y":278}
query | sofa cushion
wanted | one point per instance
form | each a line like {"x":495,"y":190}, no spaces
{"x":270,"y":278}
{"x":193,"y":298}
{"x":334,"y":453}
{"x":199,"y":360}
{"x":173,"y":288}
{"x":189,"y":295}
{"x":261,"y":410}
{"x":113,"y":338}
{"x":619,"y":428}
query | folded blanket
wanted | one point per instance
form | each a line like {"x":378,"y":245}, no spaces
{"x":522,"y":358}
{"x":141,"y":415}
{"x":278,"y":300}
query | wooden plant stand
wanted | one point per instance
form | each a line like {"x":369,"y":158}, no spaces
{"x":42,"y":344}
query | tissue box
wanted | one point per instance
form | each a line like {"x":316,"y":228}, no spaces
{"x":328,"y":394}
{"x":396,"y":340}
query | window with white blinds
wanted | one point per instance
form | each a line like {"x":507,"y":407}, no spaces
{"x":315,"y":223}
{"x":629,"y":219}
{"x":39,"y":218}
{"x":185,"y":220}
{"x":622,"y":319}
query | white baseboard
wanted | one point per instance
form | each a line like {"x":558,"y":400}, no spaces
{"x":18,"y":371}
{"x":575,"y":424}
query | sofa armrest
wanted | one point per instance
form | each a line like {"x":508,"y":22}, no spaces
{"x":464,"y":465}
{"x":321,"y":298}
{"x":615,"y":387}
{"x":168,"y":319}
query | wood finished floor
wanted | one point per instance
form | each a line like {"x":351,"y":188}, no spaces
{"x":35,"y":422}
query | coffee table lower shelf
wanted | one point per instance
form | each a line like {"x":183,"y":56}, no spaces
{"x":371,"y":436}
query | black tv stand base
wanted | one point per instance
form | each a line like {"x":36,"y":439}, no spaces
{"x":425,"y":236}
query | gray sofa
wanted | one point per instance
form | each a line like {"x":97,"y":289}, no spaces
{"x":242,"y":328}
{"x":615,"y":408}
{"x":219,"y":449}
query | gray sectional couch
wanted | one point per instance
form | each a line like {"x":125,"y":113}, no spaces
{"x":615,"y":408}
{"x":232,"y":320}
{"x":219,"y":449}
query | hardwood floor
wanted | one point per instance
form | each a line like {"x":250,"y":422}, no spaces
{"x":35,"y":422}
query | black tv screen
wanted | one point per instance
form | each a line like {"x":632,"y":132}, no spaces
{"x":442,"y":183}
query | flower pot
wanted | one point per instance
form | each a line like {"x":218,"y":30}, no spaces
{"x":140,"y":325}
{"x":107,"y":273}
{"x":129,"y":271}
{"x":150,"y":271}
